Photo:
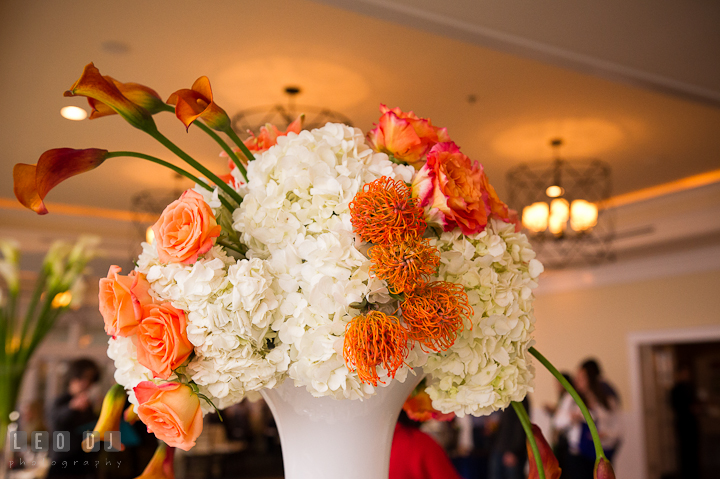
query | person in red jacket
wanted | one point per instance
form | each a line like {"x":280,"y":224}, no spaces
{"x":416,"y":455}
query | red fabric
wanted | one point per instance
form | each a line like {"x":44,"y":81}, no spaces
{"x":415,"y":455}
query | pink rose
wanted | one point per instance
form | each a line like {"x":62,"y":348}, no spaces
{"x":121,"y":301}
{"x":456,"y":191}
{"x":171,"y":411}
{"x":162,"y":343}
{"x":185,"y":229}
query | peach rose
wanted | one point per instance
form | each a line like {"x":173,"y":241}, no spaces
{"x":456,"y":191}
{"x":162,"y":343}
{"x":185,"y":229}
{"x":121,"y":301}
{"x":171,"y":411}
{"x":405,"y":136}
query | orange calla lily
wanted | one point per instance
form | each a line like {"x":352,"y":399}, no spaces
{"x":110,"y":415}
{"x":419,"y":408}
{"x":197,"y":102}
{"x":99,"y":89}
{"x":33,"y":182}
{"x":161,"y":464}
{"x":549,"y":461}
{"x":141,"y":95}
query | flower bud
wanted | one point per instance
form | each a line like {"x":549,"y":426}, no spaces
{"x":161,"y":464}
{"x":603,"y":469}
{"x":549,"y":462}
{"x":9,"y":264}
{"x":110,"y":414}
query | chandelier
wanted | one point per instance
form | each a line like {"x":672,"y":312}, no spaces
{"x":281,"y":116}
{"x":561,"y":204}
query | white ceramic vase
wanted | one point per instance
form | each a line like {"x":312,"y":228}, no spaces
{"x":326,"y":438}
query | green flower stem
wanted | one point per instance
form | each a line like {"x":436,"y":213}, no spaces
{"x":44,"y":317}
{"x":44,"y":329}
{"x":599,"y":453}
{"x":236,"y":139}
{"x":37,"y":293}
{"x":5,"y":326}
{"x":224,"y":146}
{"x":525,"y":421}
{"x":195,"y":164}
{"x":176,"y":169}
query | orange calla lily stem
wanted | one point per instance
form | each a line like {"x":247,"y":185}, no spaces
{"x":599,"y":453}
{"x":172,"y":167}
{"x":525,"y":421}
{"x":224,"y":146}
{"x":195,"y":164}
{"x":243,"y":147}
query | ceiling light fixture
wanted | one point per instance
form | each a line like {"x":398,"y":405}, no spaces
{"x":561,"y":209}
{"x":252,"y":119}
{"x":73,"y":113}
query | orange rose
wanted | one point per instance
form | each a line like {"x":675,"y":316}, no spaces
{"x":185,"y":229}
{"x":456,"y":191}
{"x":405,"y":136}
{"x":171,"y":411}
{"x":121,"y":301}
{"x":162,"y":343}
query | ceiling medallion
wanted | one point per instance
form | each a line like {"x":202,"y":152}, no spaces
{"x":252,"y":119}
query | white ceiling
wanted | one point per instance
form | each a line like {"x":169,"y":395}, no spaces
{"x":671,"y":46}
{"x":407,"y":54}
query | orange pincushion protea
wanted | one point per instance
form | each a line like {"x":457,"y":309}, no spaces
{"x":434,"y":313}
{"x":384,"y":212}
{"x":372,"y":340}
{"x":404,"y":266}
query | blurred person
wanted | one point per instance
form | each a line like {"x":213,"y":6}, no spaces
{"x":73,"y":412}
{"x":508,"y":453}
{"x":603,"y":405}
{"x":559,"y":439}
{"x":593,"y":367}
{"x":416,"y":455}
{"x":473,"y":445}
{"x":687,"y":430}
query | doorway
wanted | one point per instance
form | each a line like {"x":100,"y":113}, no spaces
{"x":681,"y":408}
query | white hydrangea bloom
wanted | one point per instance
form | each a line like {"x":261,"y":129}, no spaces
{"x":128,"y":372}
{"x":488,"y":365}
{"x":295,"y":214}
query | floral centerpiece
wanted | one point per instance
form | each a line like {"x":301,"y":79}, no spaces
{"x":337,"y":261}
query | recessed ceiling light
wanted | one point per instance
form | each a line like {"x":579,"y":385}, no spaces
{"x":73,"y":113}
